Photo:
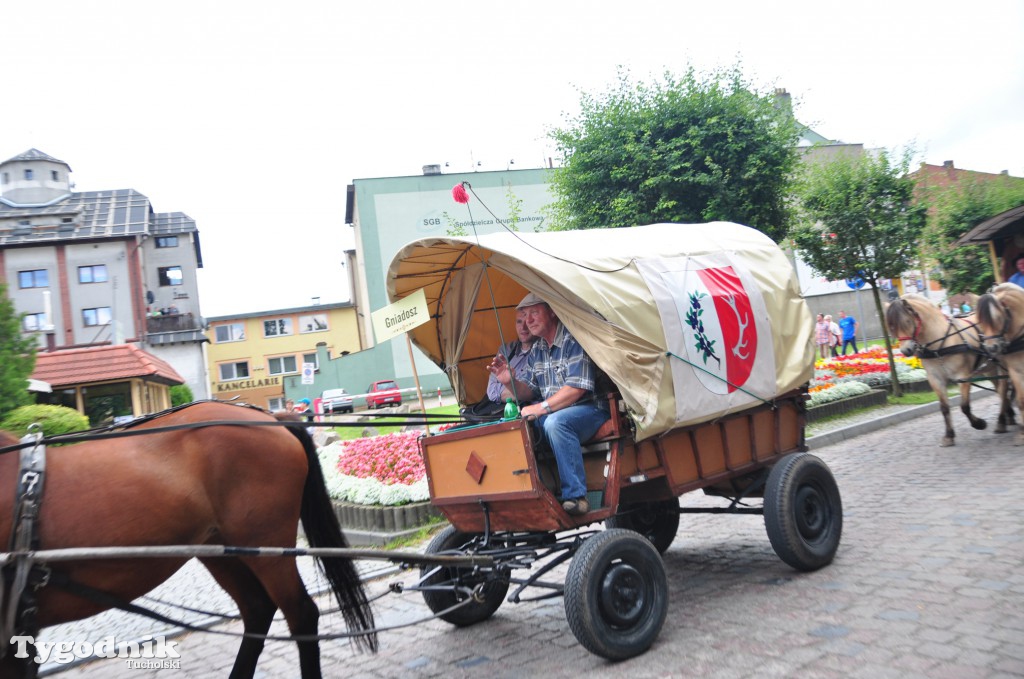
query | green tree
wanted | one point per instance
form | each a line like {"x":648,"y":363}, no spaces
{"x":180,"y":395}
{"x":953,"y":211}
{"x":17,"y":357}
{"x":858,"y":217}
{"x":689,"y":150}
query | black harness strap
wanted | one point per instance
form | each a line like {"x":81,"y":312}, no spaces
{"x":18,"y":608}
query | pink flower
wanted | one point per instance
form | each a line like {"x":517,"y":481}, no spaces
{"x":459,"y":194}
{"x":391,"y":459}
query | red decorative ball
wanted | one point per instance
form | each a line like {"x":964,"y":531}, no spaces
{"x":459,"y":194}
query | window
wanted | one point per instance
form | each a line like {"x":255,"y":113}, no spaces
{"x":97,"y":273}
{"x":282,"y":365}
{"x":54,"y":175}
{"x":275,"y":404}
{"x":276,"y":327}
{"x":311,"y":358}
{"x":313,"y":323}
{"x":230,"y":332}
{"x":37,"y":278}
{"x":33,"y":322}
{"x":28,"y":174}
{"x":169,"y":275}
{"x":167,"y":241}
{"x":98,"y":316}
{"x":233,"y":371}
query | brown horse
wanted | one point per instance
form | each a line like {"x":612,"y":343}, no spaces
{"x":1001,"y":321}
{"x":950,"y":350}
{"x":227,"y":484}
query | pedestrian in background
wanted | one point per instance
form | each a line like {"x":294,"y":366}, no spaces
{"x":821,"y":336}
{"x":834,"y":335}
{"x":848,"y":324}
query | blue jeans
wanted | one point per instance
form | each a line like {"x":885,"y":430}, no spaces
{"x":564,"y":430}
{"x":853,"y":341}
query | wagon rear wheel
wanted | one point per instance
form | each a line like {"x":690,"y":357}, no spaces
{"x":656,"y":521}
{"x":803,"y":513}
{"x":452,"y":583}
{"x":616,"y":594}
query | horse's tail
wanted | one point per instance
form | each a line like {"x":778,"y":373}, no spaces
{"x":322,"y":530}
{"x":990,"y":314}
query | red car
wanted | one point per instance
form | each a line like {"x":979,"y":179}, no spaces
{"x":383,"y":393}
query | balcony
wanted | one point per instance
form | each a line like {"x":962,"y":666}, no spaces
{"x":173,"y":328}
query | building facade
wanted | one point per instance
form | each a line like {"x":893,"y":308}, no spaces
{"x":251,"y":355}
{"x":100,"y":267}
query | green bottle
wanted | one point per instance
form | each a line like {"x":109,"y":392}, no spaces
{"x":511,"y":410}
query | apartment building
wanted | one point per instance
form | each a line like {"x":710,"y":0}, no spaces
{"x":99,"y":268}
{"x":250,"y":355}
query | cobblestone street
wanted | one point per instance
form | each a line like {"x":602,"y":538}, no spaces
{"x":928,"y":582}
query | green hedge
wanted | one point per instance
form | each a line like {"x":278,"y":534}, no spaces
{"x":55,"y":420}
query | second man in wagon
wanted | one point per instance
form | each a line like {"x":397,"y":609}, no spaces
{"x":563,"y":377}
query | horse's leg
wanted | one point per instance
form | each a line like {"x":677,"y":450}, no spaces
{"x":965,"y":406}
{"x":1016,"y":379}
{"x":1005,"y":407}
{"x":938,"y":385}
{"x":281,"y":579}
{"x":254,"y":605}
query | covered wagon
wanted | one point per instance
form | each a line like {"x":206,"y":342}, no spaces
{"x":707,"y":346}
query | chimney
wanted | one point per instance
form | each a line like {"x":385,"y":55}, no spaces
{"x":948,"y":164}
{"x":431,"y":169}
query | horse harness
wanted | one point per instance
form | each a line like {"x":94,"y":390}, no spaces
{"x":927,"y":352}
{"x":1008,"y":346}
{"x":18,"y":607}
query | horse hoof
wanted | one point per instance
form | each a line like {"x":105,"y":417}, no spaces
{"x":1001,"y":429}
{"x":980,"y":424}
{"x":947,"y":443}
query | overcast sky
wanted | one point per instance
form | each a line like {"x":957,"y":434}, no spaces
{"x":252,"y":117}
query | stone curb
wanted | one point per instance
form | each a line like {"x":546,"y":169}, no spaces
{"x":845,"y":433}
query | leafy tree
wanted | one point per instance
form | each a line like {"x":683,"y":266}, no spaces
{"x":685,"y":150}
{"x":953,"y":211}
{"x":858,"y":217}
{"x":180,"y":395}
{"x":17,"y":357}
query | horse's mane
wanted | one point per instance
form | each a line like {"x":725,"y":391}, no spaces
{"x":899,"y":317}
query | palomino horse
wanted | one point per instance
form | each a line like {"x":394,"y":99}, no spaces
{"x":233,"y":483}
{"x":1001,"y":320}
{"x":950,"y":350}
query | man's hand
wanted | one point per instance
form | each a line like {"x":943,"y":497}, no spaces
{"x":499,"y":368}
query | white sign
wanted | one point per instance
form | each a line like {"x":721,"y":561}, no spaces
{"x":402,"y":316}
{"x":307,"y":372}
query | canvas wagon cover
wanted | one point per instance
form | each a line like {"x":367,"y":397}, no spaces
{"x":690,"y":321}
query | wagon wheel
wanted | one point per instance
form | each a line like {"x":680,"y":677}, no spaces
{"x":616,"y":594}
{"x":656,"y":521}
{"x":495,"y":584}
{"x":803,"y":513}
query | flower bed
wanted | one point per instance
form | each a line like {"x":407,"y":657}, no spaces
{"x":873,"y":397}
{"x":378,"y":470}
{"x":834,"y":377}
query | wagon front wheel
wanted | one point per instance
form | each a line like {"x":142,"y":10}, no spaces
{"x":803,"y":513}
{"x":447,"y":586}
{"x":656,"y":521}
{"x":616,"y":594}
